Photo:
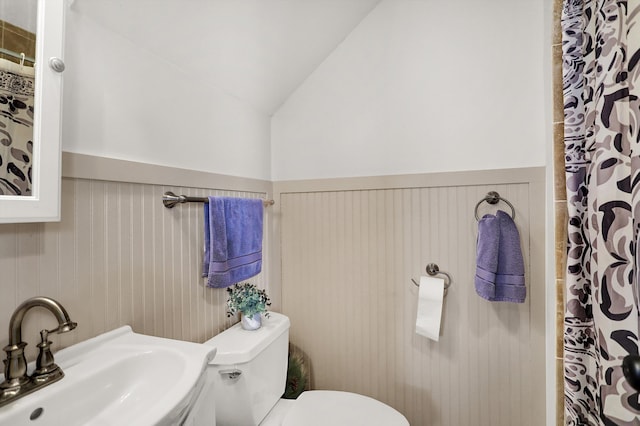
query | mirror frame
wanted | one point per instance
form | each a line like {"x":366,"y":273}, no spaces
{"x":44,"y":204}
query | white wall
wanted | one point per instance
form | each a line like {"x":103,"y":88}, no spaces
{"x":421,"y":86}
{"x":121,"y":101}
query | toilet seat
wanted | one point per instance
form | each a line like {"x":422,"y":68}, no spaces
{"x":335,"y":408}
{"x":278,"y":412}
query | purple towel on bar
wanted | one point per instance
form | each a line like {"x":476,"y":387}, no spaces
{"x":233,"y":240}
{"x":499,"y":262}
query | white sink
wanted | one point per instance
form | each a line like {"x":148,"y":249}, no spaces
{"x":117,"y":378}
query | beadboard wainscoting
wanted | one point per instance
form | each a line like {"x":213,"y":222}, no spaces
{"x":119,"y":256}
{"x":349,"y":249}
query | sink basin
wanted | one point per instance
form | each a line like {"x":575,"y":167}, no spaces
{"x":117,"y":378}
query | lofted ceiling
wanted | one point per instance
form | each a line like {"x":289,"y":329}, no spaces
{"x":259,"y":51}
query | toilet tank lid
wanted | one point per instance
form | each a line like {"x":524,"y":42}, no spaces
{"x":236,"y":345}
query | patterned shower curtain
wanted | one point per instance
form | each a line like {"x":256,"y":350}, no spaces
{"x":16,"y":128}
{"x":601,"y":79}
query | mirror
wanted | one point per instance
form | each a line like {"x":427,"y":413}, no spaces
{"x":17,"y":84}
{"x":30,"y":95}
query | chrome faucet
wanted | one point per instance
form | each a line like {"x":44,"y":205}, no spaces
{"x":16,"y":381}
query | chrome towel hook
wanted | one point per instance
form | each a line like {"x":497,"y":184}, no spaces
{"x":493,"y":197}
{"x":433,"y":270}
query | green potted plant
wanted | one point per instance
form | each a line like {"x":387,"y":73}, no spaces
{"x":250,"y":302}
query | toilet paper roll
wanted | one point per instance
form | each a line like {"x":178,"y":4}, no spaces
{"x":430,"y":300}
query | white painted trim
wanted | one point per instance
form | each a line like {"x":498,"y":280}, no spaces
{"x":549,"y":221}
{"x":44,"y":204}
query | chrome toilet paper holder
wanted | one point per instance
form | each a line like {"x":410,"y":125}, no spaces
{"x":433,"y":270}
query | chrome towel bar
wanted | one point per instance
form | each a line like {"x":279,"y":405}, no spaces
{"x":17,"y":55}
{"x":169,"y":199}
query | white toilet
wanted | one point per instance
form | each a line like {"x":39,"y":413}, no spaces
{"x":248,"y":375}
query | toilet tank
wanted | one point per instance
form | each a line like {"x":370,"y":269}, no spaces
{"x":249,"y":371}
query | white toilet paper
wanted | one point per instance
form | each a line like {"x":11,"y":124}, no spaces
{"x":430,"y":300}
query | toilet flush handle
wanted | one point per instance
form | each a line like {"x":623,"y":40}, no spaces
{"x":232,"y":374}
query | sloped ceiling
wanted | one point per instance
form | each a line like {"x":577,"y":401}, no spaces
{"x":257,"y":50}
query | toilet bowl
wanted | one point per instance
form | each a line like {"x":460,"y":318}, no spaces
{"x":335,"y":408}
{"x":247,"y":378}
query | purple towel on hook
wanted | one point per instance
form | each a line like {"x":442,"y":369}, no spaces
{"x":233,"y":240}
{"x":510,"y":274}
{"x":487,"y":249}
{"x":499,"y":263}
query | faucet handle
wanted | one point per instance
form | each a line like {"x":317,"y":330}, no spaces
{"x":46,"y":369}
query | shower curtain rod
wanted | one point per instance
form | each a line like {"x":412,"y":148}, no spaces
{"x":169,"y":199}
{"x":17,"y":55}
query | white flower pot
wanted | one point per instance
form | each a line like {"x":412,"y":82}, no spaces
{"x":253,"y":322}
